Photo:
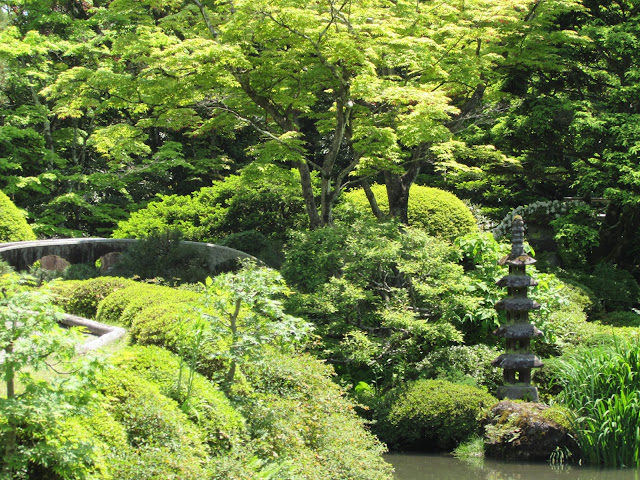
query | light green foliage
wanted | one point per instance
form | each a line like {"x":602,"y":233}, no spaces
{"x":431,"y":414}
{"x":602,"y":387}
{"x":439,"y":213}
{"x":299,"y":415}
{"x":121,"y":306}
{"x":245,"y":310}
{"x":336,"y":90}
{"x":380,"y":297}
{"x":234,"y":205}
{"x":83,"y":297}
{"x":464,"y":364}
{"x":562,"y":315}
{"x":13,"y":226}
{"x":165,"y":443}
{"x":204,"y":405}
{"x":33,"y":411}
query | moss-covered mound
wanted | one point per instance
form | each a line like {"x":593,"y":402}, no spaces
{"x":431,"y":415}
{"x":438,"y":212}
{"x":13,"y":226}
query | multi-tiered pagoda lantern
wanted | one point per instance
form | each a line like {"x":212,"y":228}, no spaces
{"x":518,"y":360}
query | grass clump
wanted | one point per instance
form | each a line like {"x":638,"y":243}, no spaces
{"x":602,"y":386}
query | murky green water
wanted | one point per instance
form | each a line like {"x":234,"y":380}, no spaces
{"x":438,"y":467}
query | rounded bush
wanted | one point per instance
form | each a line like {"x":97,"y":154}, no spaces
{"x":432,"y":415}
{"x":206,"y":406}
{"x":163,"y":324}
{"x":13,"y":226}
{"x":438,"y":212}
{"x":123,"y":305}
{"x":300,"y":414}
{"x":469,"y":364}
{"x":82,"y":297}
{"x":154,"y":421}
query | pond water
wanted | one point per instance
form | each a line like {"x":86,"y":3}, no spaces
{"x":441,"y":467}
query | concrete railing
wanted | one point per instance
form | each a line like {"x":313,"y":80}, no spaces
{"x":21,"y":255}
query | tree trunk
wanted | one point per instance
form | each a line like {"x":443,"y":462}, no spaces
{"x":372,"y":200}
{"x":307,"y":193}
{"x":398,"y":191}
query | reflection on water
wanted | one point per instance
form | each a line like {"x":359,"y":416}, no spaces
{"x":432,"y":467}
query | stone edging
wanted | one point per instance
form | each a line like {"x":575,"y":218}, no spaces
{"x":106,"y":333}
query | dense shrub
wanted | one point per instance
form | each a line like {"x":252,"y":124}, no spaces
{"x":438,"y":212}
{"x":160,"y":323}
{"x":614,"y":288}
{"x":576,"y":234}
{"x":468,"y":364}
{"x":378,"y":296}
{"x":204,"y":405}
{"x":236,"y":204}
{"x":83,"y":297}
{"x":431,"y":415}
{"x":301,"y":416}
{"x":166,"y":444}
{"x":629,"y":318}
{"x":163,"y":255}
{"x":124,"y":304}
{"x":13,"y":226}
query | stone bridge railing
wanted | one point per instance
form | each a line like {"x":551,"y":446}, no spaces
{"x":21,"y":255}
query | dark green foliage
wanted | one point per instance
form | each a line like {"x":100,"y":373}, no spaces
{"x":163,"y":255}
{"x":250,"y":241}
{"x":576,"y":235}
{"x":613,"y":287}
{"x":431,"y":415}
{"x":206,"y":406}
{"x":378,"y":296}
{"x":13,"y":226}
{"x":629,"y":318}
{"x":83,"y":297}
{"x":438,"y":212}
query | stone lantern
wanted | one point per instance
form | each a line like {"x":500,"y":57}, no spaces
{"x":518,"y":360}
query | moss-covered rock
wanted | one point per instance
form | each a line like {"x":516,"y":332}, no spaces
{"x":524,"y":431}
{"x":13,"y":226}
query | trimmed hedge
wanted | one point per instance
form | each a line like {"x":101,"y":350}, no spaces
{"x":13,"y":226}
{"x":82,"y":297}
{"x":123,"y":305}
{"x":165,"y":443}
{"x":431,"y":415}
{"x":438,"y":212}
{"x":206,"y":406}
